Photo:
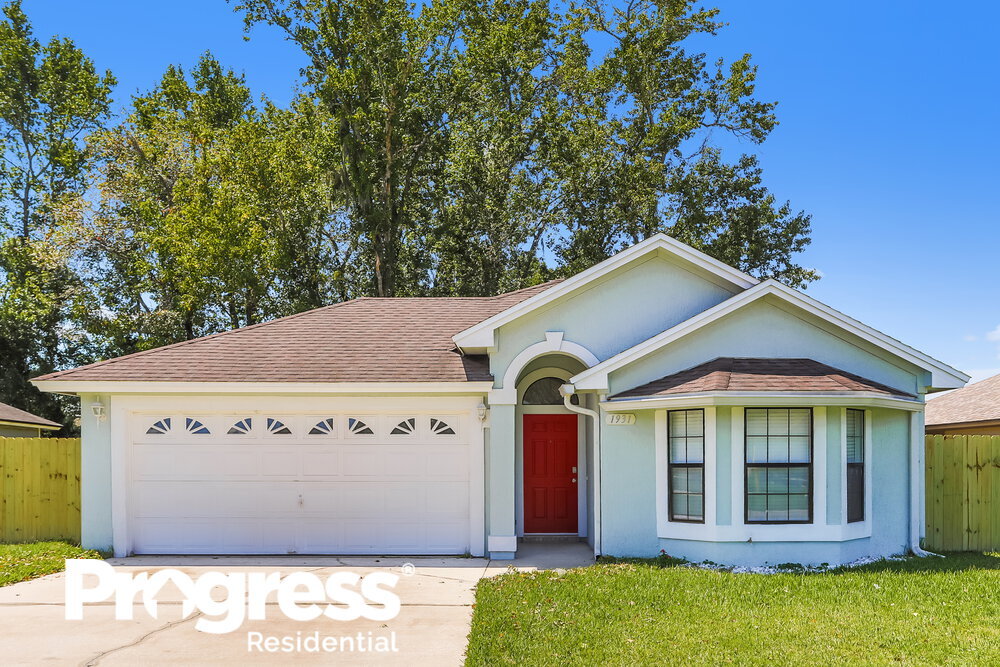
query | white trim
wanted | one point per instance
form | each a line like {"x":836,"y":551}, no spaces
{"x":843,"y":464}
{"x":858,"y":529}
{"x":501,"y":543}
{"x":738,"y":531}
{"x":763,"y":398}
{"x":477,"y":485}
{"x":943,"y":375}
{"x":554,"y":343}
{"x":339,"y":388}
{"x":581,"y":453}
{"x":675,"y":529}
{"x":121,"y":479}
{"x":123,"y":409}
{"x":481,"y":335}
{"x":820,"y":483}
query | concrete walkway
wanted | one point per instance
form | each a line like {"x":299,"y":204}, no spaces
{"x":432,"y":628}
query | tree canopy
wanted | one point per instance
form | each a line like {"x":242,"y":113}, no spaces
{"x":454,"y":147}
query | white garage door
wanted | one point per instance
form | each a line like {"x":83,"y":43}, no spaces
{"x":259,"y":483}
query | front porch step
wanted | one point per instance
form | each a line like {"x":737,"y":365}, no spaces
{"x":551,"y":539}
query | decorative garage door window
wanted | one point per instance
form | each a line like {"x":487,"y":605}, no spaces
{"x":439,"y":427}
{"x":159,"y":427}
{"x":195,"y":427}
{"x":405,"y":427}
{"x":277,"y":427}
{"x":242,"y":427}
{"x":323,"y":427}
{"x":358,"y":427}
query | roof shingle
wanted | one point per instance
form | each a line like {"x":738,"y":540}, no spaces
{"x":9,"y":413}
{"x":364,"y":340}
{"x":741,"y":374}
{"x":977,"y":402}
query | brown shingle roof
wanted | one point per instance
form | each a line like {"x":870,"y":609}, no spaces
{"x":737,"y":374}
{"x":9,"y":413}
{"x":977,"y":402}
{"x":364,"y":340}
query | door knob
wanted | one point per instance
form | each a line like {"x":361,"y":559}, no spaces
{"x":574,"y":480}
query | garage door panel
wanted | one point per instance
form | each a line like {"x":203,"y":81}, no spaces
{"x":257,"y":494}
{"x":321,"y":464}
{"x":279,"y":464}
{"x":209,"y":536}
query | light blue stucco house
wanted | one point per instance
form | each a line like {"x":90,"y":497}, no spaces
{"x":659,"y":401}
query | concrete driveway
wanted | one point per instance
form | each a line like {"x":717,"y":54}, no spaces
{"x":432,"y":627}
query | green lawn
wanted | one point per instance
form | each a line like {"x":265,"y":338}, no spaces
{"x":919,"y":611}
{"x":20,"y":562}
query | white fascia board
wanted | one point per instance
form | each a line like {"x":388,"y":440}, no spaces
{"x":339,"y":388}
{"x":481,"y":335}
{"x":943,"y":375}
{"x":764,"y":398}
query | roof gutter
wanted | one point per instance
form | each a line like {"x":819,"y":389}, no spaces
{"x":916,"y":484}
{"x":346,"y":388}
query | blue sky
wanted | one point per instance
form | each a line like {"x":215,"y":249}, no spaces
{"x":888,"y":138}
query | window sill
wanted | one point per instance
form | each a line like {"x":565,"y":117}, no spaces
{"x":766,"y":533}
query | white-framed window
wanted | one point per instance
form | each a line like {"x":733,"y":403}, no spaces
{"x":686,"y":463}
{"x":778,"y":465}
{"x":855,"y":464}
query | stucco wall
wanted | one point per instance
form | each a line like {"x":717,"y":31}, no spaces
{"x":96,"y":530}
{"x":629,"y":497}
{"x":614,"y":313}
{"x":762,"y":329}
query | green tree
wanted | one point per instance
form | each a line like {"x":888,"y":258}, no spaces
{"x":476,"y":138}
{"x":51,"y":98}
{"x":209,"y":216}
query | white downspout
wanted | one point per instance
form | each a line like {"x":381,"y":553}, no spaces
{"x":916,"y":481}
{"x":567,"y":391}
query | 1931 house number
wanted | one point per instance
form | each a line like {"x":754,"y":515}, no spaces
{"x":620,"y":419}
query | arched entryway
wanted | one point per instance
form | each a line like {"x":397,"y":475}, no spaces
{"x":551,"y":452}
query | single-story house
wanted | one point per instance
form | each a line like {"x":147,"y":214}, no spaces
{"x":658,"y":401}
{"x":972,"y":410}
{"x":17,"y":423}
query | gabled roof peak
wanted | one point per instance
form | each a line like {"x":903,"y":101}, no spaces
{"x":480,"y":336}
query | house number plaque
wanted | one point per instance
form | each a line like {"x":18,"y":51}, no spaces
{"x":620,"y":418}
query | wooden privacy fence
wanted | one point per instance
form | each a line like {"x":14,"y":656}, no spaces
{"x":40,"y":486}
{"x":963,"y":492}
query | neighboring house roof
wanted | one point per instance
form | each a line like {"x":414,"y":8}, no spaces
{"x":12,"y":415}
{"x":765,"y":375}
{"x":943,"y":376}
{"x":364,"y":340}
{"x":977,"y":402}
{"x":480,"y":336}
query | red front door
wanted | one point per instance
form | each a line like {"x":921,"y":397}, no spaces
{"x":550,"y":474}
